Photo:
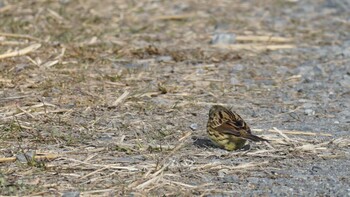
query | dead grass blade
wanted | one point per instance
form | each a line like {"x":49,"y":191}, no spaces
{"x":146,"y":183}
{"x":257,"y":47}
{"x":36,"y":157}
{"x":216,"y":166}
{"x":174,"y":17}
{"x":292,"y":132}
{"x":263,"y":39}
{"x":111,"y":166}
{"x":120,"y":99}
{"x":20,"y":36}
{"x":21,"y":52}
{"x":283,"y":135}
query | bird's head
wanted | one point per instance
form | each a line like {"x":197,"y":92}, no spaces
{"x":215,"y":108}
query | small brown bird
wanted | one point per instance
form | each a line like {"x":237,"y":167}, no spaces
{"x":228,"y":130}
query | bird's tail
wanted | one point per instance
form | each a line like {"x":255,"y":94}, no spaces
{"x":256,"y":138}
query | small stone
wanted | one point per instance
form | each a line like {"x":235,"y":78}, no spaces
{"x":345,"y":82}
{"x":64,"y":1}
{"x":20,"y":67}
{"x":105,"y":138}
{"x":316,"y":168}
{"x":26,"y":157}
{"x":164,"y":59}
{"x":222,"y":173}
{"x":137,"y":65}
{"x":308,"y":105}
{"x":332,"y":95}
{"x":200,"y":71}
{"x":234,"y":81}
{"x":162,"y":102}
{"x":309,"y":112}
{"x":238,"y":67}
{"x":71,"y":194}
{"x":194,"y":126}
{"x":230,"y":179}
{"x":223,"y":38}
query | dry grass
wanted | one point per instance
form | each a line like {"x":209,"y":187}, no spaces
{"x":104,"y":94}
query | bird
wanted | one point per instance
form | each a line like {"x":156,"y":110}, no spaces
{"x":228,"y":130}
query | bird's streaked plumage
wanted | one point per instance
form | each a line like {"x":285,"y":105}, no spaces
{"x":228,"y":130}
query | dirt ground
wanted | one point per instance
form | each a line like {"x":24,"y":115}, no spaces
{"x":111,"y":98}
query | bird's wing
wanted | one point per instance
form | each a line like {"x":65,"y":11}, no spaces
{"x":237,"y":122}
{"x":229,"y":127}
{"x":238,"y":131}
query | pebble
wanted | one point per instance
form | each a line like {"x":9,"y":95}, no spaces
{"x":105,"y":137}
{"x":25,"y":157}
{"x":309,"y":112}
{"x":71,"y":194}
{"x":345,"y":82}
{"x":164,"y":59}
{"x":223,"y":38}
{"x":234,"y":81}
{"x":194,"y":126}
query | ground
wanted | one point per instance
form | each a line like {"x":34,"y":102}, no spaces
{"x":111,"y":98}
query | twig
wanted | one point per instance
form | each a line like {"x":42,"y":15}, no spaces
{"x":21,"y":52}
{"x":180,"y":145}
{"x":14,"y":97}
{"x":242,"y":166}
{"x":182,"y":184}
{"x":312,"y":147}
{"x":259,"y":152}
{"x":148,"y":182}
{"x":282,"y":134}
{"x":185,"y":136}
{"x":174,"y":17}
{"x":291,"y":132}
{"x":12,"y":43}
{"x":160,"y":170}
{"x":129,"y":168}
{"x":120,"y":99}
{"x":26,"y":112}
{"x":39,"y":113}
{"x":45,"y":157}
{"x":96,"y":191}
{"x":49,"y":64}
{"x":257,"y":47}
{"x":20,"y":36}
{"x":263,"y":39}
{"x":94,"y":172}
